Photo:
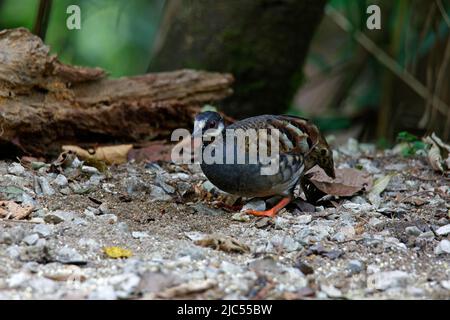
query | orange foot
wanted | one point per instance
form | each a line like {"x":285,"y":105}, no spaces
{"x":271,"y":212}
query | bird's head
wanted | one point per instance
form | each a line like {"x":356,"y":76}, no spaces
{"x":208,"y":124}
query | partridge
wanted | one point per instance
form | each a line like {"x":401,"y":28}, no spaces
{"x":301,"y":146}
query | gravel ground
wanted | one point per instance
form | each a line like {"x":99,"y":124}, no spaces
{"x":187,"y":243}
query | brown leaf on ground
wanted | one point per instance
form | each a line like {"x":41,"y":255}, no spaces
{"x":12,"y":210}
{"x":348,"y":181}
{"x":116,"y":154}
{"x":223,"y":243}
{"x":360,"y":228}
{"x":27,"y":161}
{"x":65,"y":159}
{"x":417,"y":201}
{"x":153,"y":151}
{"x":184,"y":289}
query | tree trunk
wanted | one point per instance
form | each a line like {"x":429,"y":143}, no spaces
{"x":263,"y":43}
{"x":44,"y":103}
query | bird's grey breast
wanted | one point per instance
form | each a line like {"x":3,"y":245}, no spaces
{"x":248,"y":178}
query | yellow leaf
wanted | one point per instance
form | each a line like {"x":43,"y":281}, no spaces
{"x":381,"y":184}
{"x":116,"y":154}
{"x":117,"y":252}
{"x":378,"y":187}
{"x":435,"y":158}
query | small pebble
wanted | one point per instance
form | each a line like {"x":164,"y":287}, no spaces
{"x":103,"y":209}
{"x":123,"y":227}
{"x":38,"y":220}
{"x":257,"y":205}
{"x":103,"y":292}
{"x":90,"y":170}
{"x":413,"y":231}
{"x":139,"y":235}
{"x":375,"y":222}
{"x":58,"y":216}
{"x":389,"y":279}
{"x":208,"y":186}
{"x":67,"y":255}
{"x":445,"y":284}
{"x":442,"y":247}
{"x":263,"y":222}
{"x":331,"y":291}
{"x":18,"y":279}
{"x":80,"y":221}
{"x":43,"y":230}
{"x":304,"y":267}
{"x":31,"y":239}
{"x":61,"y":180}
{"x":303,"y":219}
{"x":426,"y":235}
{"x":158,"y":194}
{"x":241,"y":217}
{"x":355,"y":266}
{"x":108,"y":218}
{"x":444,"y":230}
{"x":16,"y":169}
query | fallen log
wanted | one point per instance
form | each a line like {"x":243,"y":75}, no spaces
{"x":45,"y":103}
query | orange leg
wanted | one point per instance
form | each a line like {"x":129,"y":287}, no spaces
{"x":271,"y":212}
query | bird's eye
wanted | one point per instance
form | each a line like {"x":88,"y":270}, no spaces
{"x":211,"y":124}
{"x":324,"y":152}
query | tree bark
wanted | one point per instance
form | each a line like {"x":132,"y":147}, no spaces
{"x":44,"y":103}
{"x":263,"y":43}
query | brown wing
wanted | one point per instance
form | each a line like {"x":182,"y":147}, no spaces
{"x":297,"y":136}
{"x":292,"y":138}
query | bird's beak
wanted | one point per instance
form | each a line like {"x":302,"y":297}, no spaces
{"x":198,"y":129}
{"x":197,"y":133}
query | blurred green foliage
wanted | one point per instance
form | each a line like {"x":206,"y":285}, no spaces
{"x":115,"y":35}
{"x":15,"y":14}
{"x":412,"y":143}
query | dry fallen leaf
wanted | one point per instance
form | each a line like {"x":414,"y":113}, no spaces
{"x":152,"y":152}
{"x":223,"y":243}
{"x":435,"y":158}
{"x":416,"y":201}
{"x":437,"y":153}
{"x":378,"y":187}
{"x":117,"y":252}
{"x":12,"y":210}
{"x":67,"y":273}
{"x":439,"y":142}
{"x":117,"y":154}
{"x":380,"y":184}
{"x":360,"y":228}
{"x":348,"y":181}
{"x":184,"y":289}
{"x":65,"y":159}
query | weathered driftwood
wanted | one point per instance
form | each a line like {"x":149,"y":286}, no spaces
{"x":45,"y":103}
